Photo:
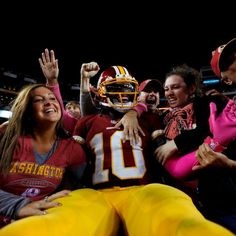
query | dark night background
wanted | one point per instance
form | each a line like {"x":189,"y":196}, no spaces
{"x":146,"y":38}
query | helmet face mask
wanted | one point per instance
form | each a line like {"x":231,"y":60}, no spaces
{"x":117,"y":89}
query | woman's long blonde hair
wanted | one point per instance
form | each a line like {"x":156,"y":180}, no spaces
{"x":21,"y":123}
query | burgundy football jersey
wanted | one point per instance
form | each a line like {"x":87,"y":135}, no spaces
{"x":113,"y":162}
{"x":29,"y":179}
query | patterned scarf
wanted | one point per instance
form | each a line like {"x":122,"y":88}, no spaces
{"x":178,"y":119}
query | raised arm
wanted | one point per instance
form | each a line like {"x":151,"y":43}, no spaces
{"x":87,"y":71}
{"x":50,"y":69}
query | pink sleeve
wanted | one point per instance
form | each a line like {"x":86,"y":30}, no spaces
{"x":140,"y":108}
{"x":180,"y":167}
{"x":69,"y":121}
{"x":56,"y":90}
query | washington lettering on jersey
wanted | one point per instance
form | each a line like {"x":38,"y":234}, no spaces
{"x":35,"y":169}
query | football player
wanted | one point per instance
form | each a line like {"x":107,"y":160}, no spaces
{"x":124,"y":174}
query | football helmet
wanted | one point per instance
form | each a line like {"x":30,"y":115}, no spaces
{"x":117,"y":89}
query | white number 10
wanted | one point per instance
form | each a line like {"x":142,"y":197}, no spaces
{"x":117,"y":159}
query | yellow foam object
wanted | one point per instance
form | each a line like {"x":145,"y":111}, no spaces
{"x":86,"y":212}
{"x":66,"y":219}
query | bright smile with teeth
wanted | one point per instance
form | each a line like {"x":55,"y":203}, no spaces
{"x":50,"y":110}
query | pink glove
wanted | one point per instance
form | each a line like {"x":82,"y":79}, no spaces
{"x":223,"y":126}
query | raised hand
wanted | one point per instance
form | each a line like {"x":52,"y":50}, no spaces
{"x":87,"y":71}
{"x":49,"y":66}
